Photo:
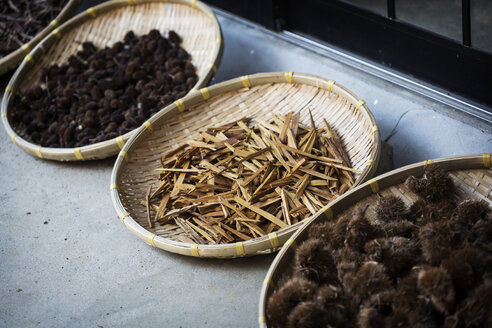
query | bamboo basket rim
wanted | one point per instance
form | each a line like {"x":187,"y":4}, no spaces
{"x":272,"y":241}
{"x":109,"y":147}
{"x":373,"y":186}
{"x":12,"y":59}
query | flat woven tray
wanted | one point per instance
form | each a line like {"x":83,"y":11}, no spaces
{"x":471,"y":175}
{"x":256,"y":96}
{"x":13,"y":59}
{"x":104,"y":25}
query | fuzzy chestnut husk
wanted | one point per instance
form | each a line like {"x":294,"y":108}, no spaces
{"x":369,"y":279}
{"x":397,"y":254}
{"x":434,"y":186}
{"x":360,"y":230}
{"x":314,"y":261}
{"x":283,"y":300}
{"x":391,"y":208}
{"x":334,"y":301}
{"x":375,"y":311}
{"x":307,"y":315}
{"x":437,"y":284}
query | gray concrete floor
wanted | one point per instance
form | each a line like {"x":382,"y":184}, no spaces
{"x":67,"y":261}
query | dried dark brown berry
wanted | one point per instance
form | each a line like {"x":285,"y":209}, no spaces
{"x":111,"y":84}
{"x":174,"y":37}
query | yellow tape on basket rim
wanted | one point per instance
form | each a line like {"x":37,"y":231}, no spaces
{"x":123,"y":216}
{"x":375,"y":128}
{"x":92,"y":12}
{"x":372,"y":164}
{"x":180,"y":104}
{"x":4,"y":114}
{"x":212,"y":66}
{"x":360,"y":103}
{"x":56,"y":32}
{"x":78,"y":154}
{"x":29,"y":59}
{"x":124,"y":155}
{"x":193,"y":4}
{"x":9,"y":89}
{"x":273,"y":239}
{"x":291,"y":243}
{"x":205,"y":93}
{"x":12,"y":137}
{"x":330,"y":85}
{"x":486,"y":160}
{"x":428,"y":162}
{"x":54,"y":23}
{"x":218,"y":40}
{"x":268,"y":282}
{"x":262,"y":319}
{"x":38,"y":152}
{"x":374,"y":185}
{"x":130,"y":2}
{"x":245,"y":81}
{"x":148,"y":126}
{"x":328,"y":212}
{"x":150,"y":239}
{"x":289,"y":77}
{"x":240,"y":248}
{"x":120,"y":142}
{"x":194,"y":250}
{"x":113,"y":186}
{"x":26,"y":48}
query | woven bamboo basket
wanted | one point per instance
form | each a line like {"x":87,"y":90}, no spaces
{"x":255,"y":96}
{"x":104,"y":25}
{"x":472,"y":176}
{"x":13,"y":59}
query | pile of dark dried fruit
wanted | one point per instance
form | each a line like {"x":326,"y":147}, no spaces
{"x":103,"y":93}
{"x":429,"y":265}
{"x":21,"y":20}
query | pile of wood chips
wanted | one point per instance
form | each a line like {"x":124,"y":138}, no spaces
{"x":240,"y":181}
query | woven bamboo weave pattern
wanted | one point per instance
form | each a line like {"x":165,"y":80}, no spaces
{"x":106,"y":24}
{"x":231,"y":102}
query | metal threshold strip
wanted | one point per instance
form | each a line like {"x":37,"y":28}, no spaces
{"x":379,"y":71}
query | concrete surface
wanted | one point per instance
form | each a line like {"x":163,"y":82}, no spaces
{"x":67,"y":261}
